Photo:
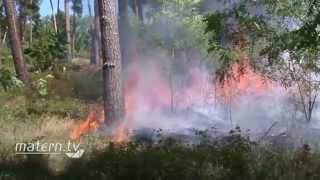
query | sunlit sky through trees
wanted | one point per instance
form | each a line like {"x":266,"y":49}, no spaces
{"x":45,"y":8}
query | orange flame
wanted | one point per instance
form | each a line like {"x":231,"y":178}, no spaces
{"x":121,"y":134}
{"x":92,"y":123}
{"x":245,"y":80}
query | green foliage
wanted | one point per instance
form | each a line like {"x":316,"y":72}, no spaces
{"x":29,"y":9}
{"x":77,"y":7}
{"x":46,"y":50}
{"x":83,"y":36}
{"x":247,"y":28}
{"x":176,"y":25}
{"x":42,"y":87}
{"x":236,"y":159}
{"x":8,"y":80}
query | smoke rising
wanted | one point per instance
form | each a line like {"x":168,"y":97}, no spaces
{"x":179,"y":94}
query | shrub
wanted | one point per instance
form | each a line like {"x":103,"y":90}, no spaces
{"x":8,"y":80}
{"x":46,"y":49}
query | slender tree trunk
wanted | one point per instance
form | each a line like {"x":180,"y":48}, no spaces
{"x":16,"y":49}
{"x":68,"y":33}
{"x":22,"y":24}
{"x":91,"y":33}
{"x":54,"y":17}
{"x":124,"y":30}
{"x":96,"y":48}
{"x":140,"y":10}
{"x":31,"y":26}
{"x":94,"y":55}
{"x":4,"y":38}
{"x":113,"y":90}
{"x":0,"y":50}
{"x":73,"y":35}
{"x":58,"y":6}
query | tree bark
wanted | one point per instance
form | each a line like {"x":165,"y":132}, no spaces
{"x":68,"y":33}
{"x":53,"y":17}
{"x":113,"y":90}
{"x":16,"y":49}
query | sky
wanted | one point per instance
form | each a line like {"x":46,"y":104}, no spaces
{"x":45,"y":8}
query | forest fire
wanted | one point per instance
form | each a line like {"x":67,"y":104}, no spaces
{"x":245,"y":80}
{"x":150,"y":91}
{"x":93,"y":121}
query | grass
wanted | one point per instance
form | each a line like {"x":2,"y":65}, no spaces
{"x":236,"y":160}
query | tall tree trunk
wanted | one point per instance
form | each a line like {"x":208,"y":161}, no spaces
{"x":94,"y":56}
{"x":96,"y":37}
{"x":140,"y":10}
{"x":4,"y":38}
{"x":124,"y":30}
{"x":30,"y":35}
{"x":113,"y":90}
{"x":58,"y":6}
{"x":16,"y":49}
{"x":22,"y":23}
{"x":91,"y":33}
{"x":31,"y":26}
{"x":68,"y":33}
{"x":73,"y":34}
{"x":0,"y":50}
{"x":54,"y":17}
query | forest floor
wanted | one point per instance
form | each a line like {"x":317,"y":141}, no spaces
{"x":58,"y":101}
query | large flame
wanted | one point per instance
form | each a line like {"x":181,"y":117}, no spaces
{"x":244,"y":80}
{"x":93,"y":121}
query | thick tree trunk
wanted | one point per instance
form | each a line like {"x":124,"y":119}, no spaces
{"x":53,"y":17}
{"x":96,"y":37}
{"x":113,"y":91}
{"x":68,"y":33}
{"x":16,"y":49}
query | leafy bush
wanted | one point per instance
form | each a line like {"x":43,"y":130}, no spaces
{"x":233,"y":160}
{"x":8,"y":80}
{"x":46,"y":49}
